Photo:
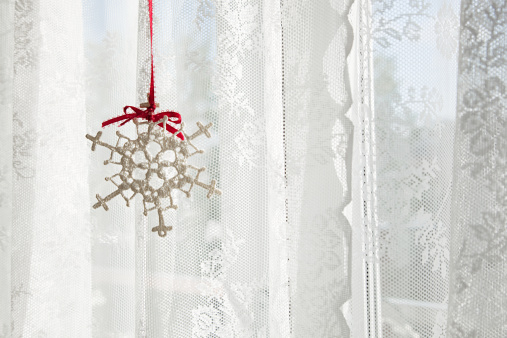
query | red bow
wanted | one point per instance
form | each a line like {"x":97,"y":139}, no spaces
{"x":147,"y":114}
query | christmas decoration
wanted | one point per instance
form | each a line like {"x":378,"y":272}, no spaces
{"x":153,"y":165}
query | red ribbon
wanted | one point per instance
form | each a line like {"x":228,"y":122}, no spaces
{"x":148,"y":113}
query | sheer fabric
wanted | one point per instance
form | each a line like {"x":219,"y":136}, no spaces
{"x":479,"y":240}
{"x":361,"y":147}
{"x":414,"y":48}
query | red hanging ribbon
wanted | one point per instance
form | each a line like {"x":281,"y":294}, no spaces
{"x":148,"y":113}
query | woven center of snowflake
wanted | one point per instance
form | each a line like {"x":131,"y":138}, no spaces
{"x":154,"y":165}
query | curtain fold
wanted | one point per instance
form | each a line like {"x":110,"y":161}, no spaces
{"x":316,"y":39}
{"x":360,"y":147}
{"x":409,"y":94}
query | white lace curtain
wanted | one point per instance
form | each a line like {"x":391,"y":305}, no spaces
{"x":361,"y":147}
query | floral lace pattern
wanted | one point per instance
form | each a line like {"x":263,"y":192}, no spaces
{"x":479,"y":253}
{"x":248,"y":143}
{"x":392,"y":24}
{"x":25,"y":36}
{"x":410,"y":164}
{"x":23,"y":144}
{"x":6,"y":172}
{"x":226,"y":312}
{"x":446,"y":29}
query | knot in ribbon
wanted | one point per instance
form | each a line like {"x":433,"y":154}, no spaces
{"x":148,"y":114}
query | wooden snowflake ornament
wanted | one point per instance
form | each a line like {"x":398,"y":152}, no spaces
{"x":154,"y":165}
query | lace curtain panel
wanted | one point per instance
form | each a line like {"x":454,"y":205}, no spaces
{"x":360,"y":146}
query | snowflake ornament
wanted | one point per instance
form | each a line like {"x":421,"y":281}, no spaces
{"x":154,"y":165}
